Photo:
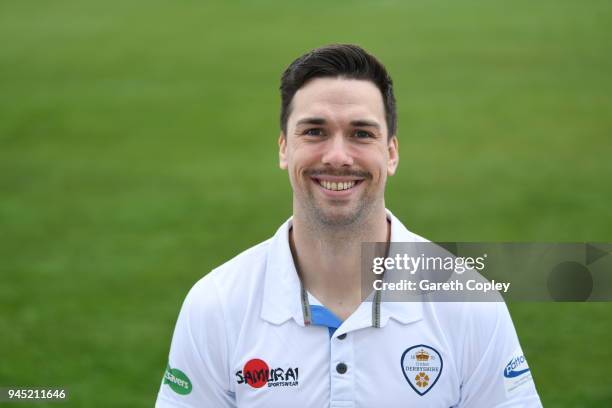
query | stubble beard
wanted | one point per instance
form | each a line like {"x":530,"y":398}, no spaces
{"x":333,"y":216}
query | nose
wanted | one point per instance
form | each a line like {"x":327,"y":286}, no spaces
{"x":337,"y":152}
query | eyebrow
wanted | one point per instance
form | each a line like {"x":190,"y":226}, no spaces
{"x":365,"y":123}
{"x":322,"y":121}
{"x":311,"y":121}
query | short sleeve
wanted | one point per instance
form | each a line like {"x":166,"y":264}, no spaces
{"x":496,"y":373}
{"x":197,"y":373}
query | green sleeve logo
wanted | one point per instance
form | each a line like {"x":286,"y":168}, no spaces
{"x":177,"y":380}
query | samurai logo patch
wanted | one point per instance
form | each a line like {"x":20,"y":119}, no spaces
{"x":257,"y":374}
{"x":422,"y":366}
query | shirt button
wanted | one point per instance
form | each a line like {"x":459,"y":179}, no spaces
{"x":342,"y":336}
{"x":341,"y":368}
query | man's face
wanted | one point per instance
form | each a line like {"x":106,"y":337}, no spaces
{"x":337,"y":150}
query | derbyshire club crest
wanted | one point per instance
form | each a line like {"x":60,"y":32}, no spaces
{"x":422,"y":366}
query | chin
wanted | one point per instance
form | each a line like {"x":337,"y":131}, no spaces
{"x":338,"y":217}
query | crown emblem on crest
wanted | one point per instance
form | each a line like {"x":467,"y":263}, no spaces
{"x":422,"y":355}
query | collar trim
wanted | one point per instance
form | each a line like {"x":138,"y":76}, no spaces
{"x":284,"y":297}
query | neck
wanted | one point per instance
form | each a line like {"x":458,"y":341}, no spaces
{"x":328,"y":258}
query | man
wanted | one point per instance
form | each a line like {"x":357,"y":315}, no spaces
{"x":284,"y":325}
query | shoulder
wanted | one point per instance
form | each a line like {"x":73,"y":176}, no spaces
{"x":245,"y":268}
{"x":238,"y":275}
{"x":473,"y":320}
{"x":227,"y":292}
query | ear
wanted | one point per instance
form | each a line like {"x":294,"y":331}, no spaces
{"x":282,"y":151}
{"x":393,"y":148}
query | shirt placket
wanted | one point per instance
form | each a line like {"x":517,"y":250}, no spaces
{"x":342,"y":372}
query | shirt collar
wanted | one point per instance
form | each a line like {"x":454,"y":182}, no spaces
{"x":408,"y":311}
{"x":282,"y":288}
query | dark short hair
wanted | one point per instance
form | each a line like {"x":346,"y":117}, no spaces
{"x":337,"y":60}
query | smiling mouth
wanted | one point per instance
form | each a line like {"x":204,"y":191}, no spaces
{"x":338,"y":185}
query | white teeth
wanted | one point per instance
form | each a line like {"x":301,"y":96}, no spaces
{"x":328,"y":185}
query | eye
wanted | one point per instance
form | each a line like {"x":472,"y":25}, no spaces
{"x":362,"y":134}
{"x":314,"y":132}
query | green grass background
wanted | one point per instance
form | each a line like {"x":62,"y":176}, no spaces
{"x":138,"y":151}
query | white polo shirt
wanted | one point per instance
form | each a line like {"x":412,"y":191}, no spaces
{"x":248,"y":335}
